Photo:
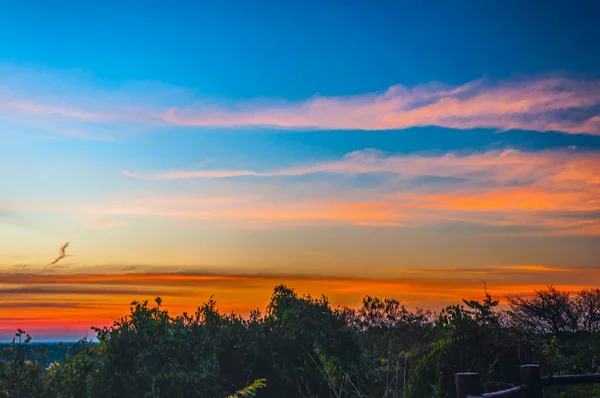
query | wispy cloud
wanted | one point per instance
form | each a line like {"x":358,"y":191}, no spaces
{"x":541,"y":103}
{"x":541,"y":268}
{"x":547,"y":193}
{"x":555,"y":191}
{"x":500,"y":165}
{"x":102,"y":223}
{"x":538,"y":103}
{"x":72,"y":104}
{"x":180,"y":175}
{"x":495,"y":270}
{"x":23,"y":305}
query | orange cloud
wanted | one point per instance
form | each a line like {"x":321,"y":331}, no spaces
{"x":552,"y":190}
{"x":502,"y":270}
{"x":537,"y":268}
{"x":102,"y":223}
{"x":546,"y":193}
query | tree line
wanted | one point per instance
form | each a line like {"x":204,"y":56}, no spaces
{"x":301,"y":346}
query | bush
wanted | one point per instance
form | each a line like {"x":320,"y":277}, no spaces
{"x":302,"y":347}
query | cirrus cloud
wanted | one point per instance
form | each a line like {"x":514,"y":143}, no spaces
{"x":556,"y":191}
{"x":541,"y":193}
{"x":540,"y":104}
{"x":85,"y":108}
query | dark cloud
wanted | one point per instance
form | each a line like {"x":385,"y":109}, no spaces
{"x":67,"y":290}
{"x":21,"y":319}
{"x":34,"y":304}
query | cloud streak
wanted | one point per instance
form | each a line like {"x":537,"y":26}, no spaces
{"x":539,"y":103}
{"x":103,"y":223}
{"x":501,"y":165}
{"x":78,"y":106}
{"x":556,"y":191}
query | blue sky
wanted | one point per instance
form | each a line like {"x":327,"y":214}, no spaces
{"x":239,"y":49}
{"x":344,"y":139}
{"x":109,"y":57}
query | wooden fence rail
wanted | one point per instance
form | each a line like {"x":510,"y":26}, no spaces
{"x":468,"y":385}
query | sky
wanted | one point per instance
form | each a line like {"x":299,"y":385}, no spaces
{"x":405,"y":149}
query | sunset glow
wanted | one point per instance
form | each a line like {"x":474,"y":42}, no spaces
{"x":345,"y":152}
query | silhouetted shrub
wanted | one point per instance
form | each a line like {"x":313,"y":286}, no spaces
{"x":302,"y":347}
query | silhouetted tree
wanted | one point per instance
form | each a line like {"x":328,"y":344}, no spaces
{"x":302,"y":347}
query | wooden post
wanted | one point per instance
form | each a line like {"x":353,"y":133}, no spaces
{"x":532,"y":379}
{"x":468,"y":384}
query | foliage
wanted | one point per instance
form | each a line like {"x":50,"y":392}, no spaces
{"x":251,"y":390}
{"x":20,"y":376}
{"x":305,"y":348}
{"x":551,"y":311}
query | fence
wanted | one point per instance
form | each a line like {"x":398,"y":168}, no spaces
{"x":532,"y":384}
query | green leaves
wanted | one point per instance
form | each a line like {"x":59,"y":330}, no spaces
{"x":251,"y":390}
